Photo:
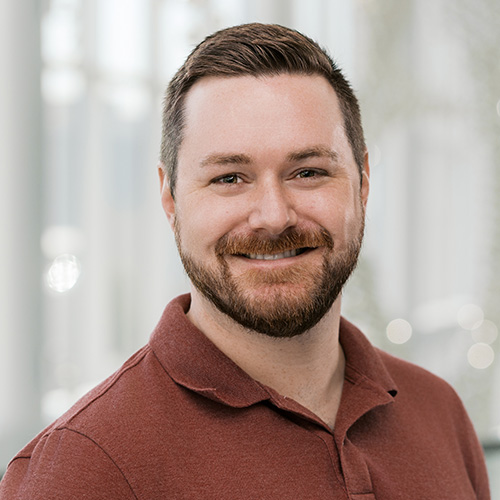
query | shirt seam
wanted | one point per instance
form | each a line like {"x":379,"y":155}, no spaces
{"x":105,"y":452}
{"x":108,"y":385}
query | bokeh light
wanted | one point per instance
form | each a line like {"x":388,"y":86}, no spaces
{"x":470,"y":316}
{"x":486,"y":333}
{"x":63,"y":273}
{"x":399,"y":331}
{"x":480,"y":356}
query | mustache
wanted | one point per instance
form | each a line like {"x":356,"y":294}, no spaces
{"x":291,"y":239}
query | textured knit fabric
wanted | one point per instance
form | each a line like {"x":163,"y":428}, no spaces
{"x":180,"y":420}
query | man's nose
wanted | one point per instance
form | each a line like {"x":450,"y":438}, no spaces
{"x":272,"y":209}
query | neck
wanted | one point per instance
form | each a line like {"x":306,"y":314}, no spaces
{"x":308,"y":368}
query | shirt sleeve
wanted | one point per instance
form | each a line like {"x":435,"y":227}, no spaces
{"x":478,"y":472}
{"x":65,"y":464}
{"x":470,"y":447}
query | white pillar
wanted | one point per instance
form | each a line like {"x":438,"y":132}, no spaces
{"x":20,"y":223}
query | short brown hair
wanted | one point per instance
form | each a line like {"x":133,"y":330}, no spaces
{"x":254,"y":49}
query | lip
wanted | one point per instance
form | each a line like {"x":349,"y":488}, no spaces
{"x":277,"y":256}
{"x":276,"y":262}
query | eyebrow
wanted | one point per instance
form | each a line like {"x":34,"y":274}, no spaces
{"x":294,"y":156}
{"x":225,"y":159}
{"x":313,"y":152}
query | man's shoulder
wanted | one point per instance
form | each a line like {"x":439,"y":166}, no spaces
{"x":388,"y":369}
{"x":425,"y":393}
{"x":112,"y":393}
{"x":415,"y":388}
{"x":114,"y":406}
{"x":85,"y":438}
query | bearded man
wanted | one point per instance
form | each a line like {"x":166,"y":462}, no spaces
{"x":253,"y":385}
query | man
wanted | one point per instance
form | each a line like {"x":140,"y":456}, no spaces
{"x":253,"y":386}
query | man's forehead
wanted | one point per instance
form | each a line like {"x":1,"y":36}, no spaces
{"x":248,"y":80}
{"x":216,"y":100}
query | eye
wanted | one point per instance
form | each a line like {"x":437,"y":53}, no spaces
{"x":310,"y":173}
{"x":227,"y":179}
{"x":306,"y":173}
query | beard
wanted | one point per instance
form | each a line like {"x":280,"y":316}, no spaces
{"x":280,"y":303}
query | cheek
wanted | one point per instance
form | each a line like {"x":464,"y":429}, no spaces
{"x":202,"y":223}
{"x":340,"y":212}
{"x":353,"y":221}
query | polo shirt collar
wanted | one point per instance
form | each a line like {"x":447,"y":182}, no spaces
{"x":367,"y":382}
{"x":194,"y":362}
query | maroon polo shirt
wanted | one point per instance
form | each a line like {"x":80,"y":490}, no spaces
{"x":180,"y":420}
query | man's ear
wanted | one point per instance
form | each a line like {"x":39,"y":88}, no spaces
{"x":365,"y":180}
{"x":167,"y":200}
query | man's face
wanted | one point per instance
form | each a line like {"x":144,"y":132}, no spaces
{"x":269,"y":211}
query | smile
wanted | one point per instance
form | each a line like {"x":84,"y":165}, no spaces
{"x":276,"y":256}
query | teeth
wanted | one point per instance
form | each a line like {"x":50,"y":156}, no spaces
{"x":275,"y":256}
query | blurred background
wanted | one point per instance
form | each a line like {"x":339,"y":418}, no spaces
{"x":87,"y":258}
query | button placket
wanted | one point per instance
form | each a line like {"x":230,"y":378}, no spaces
{"x":356,"y":474}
